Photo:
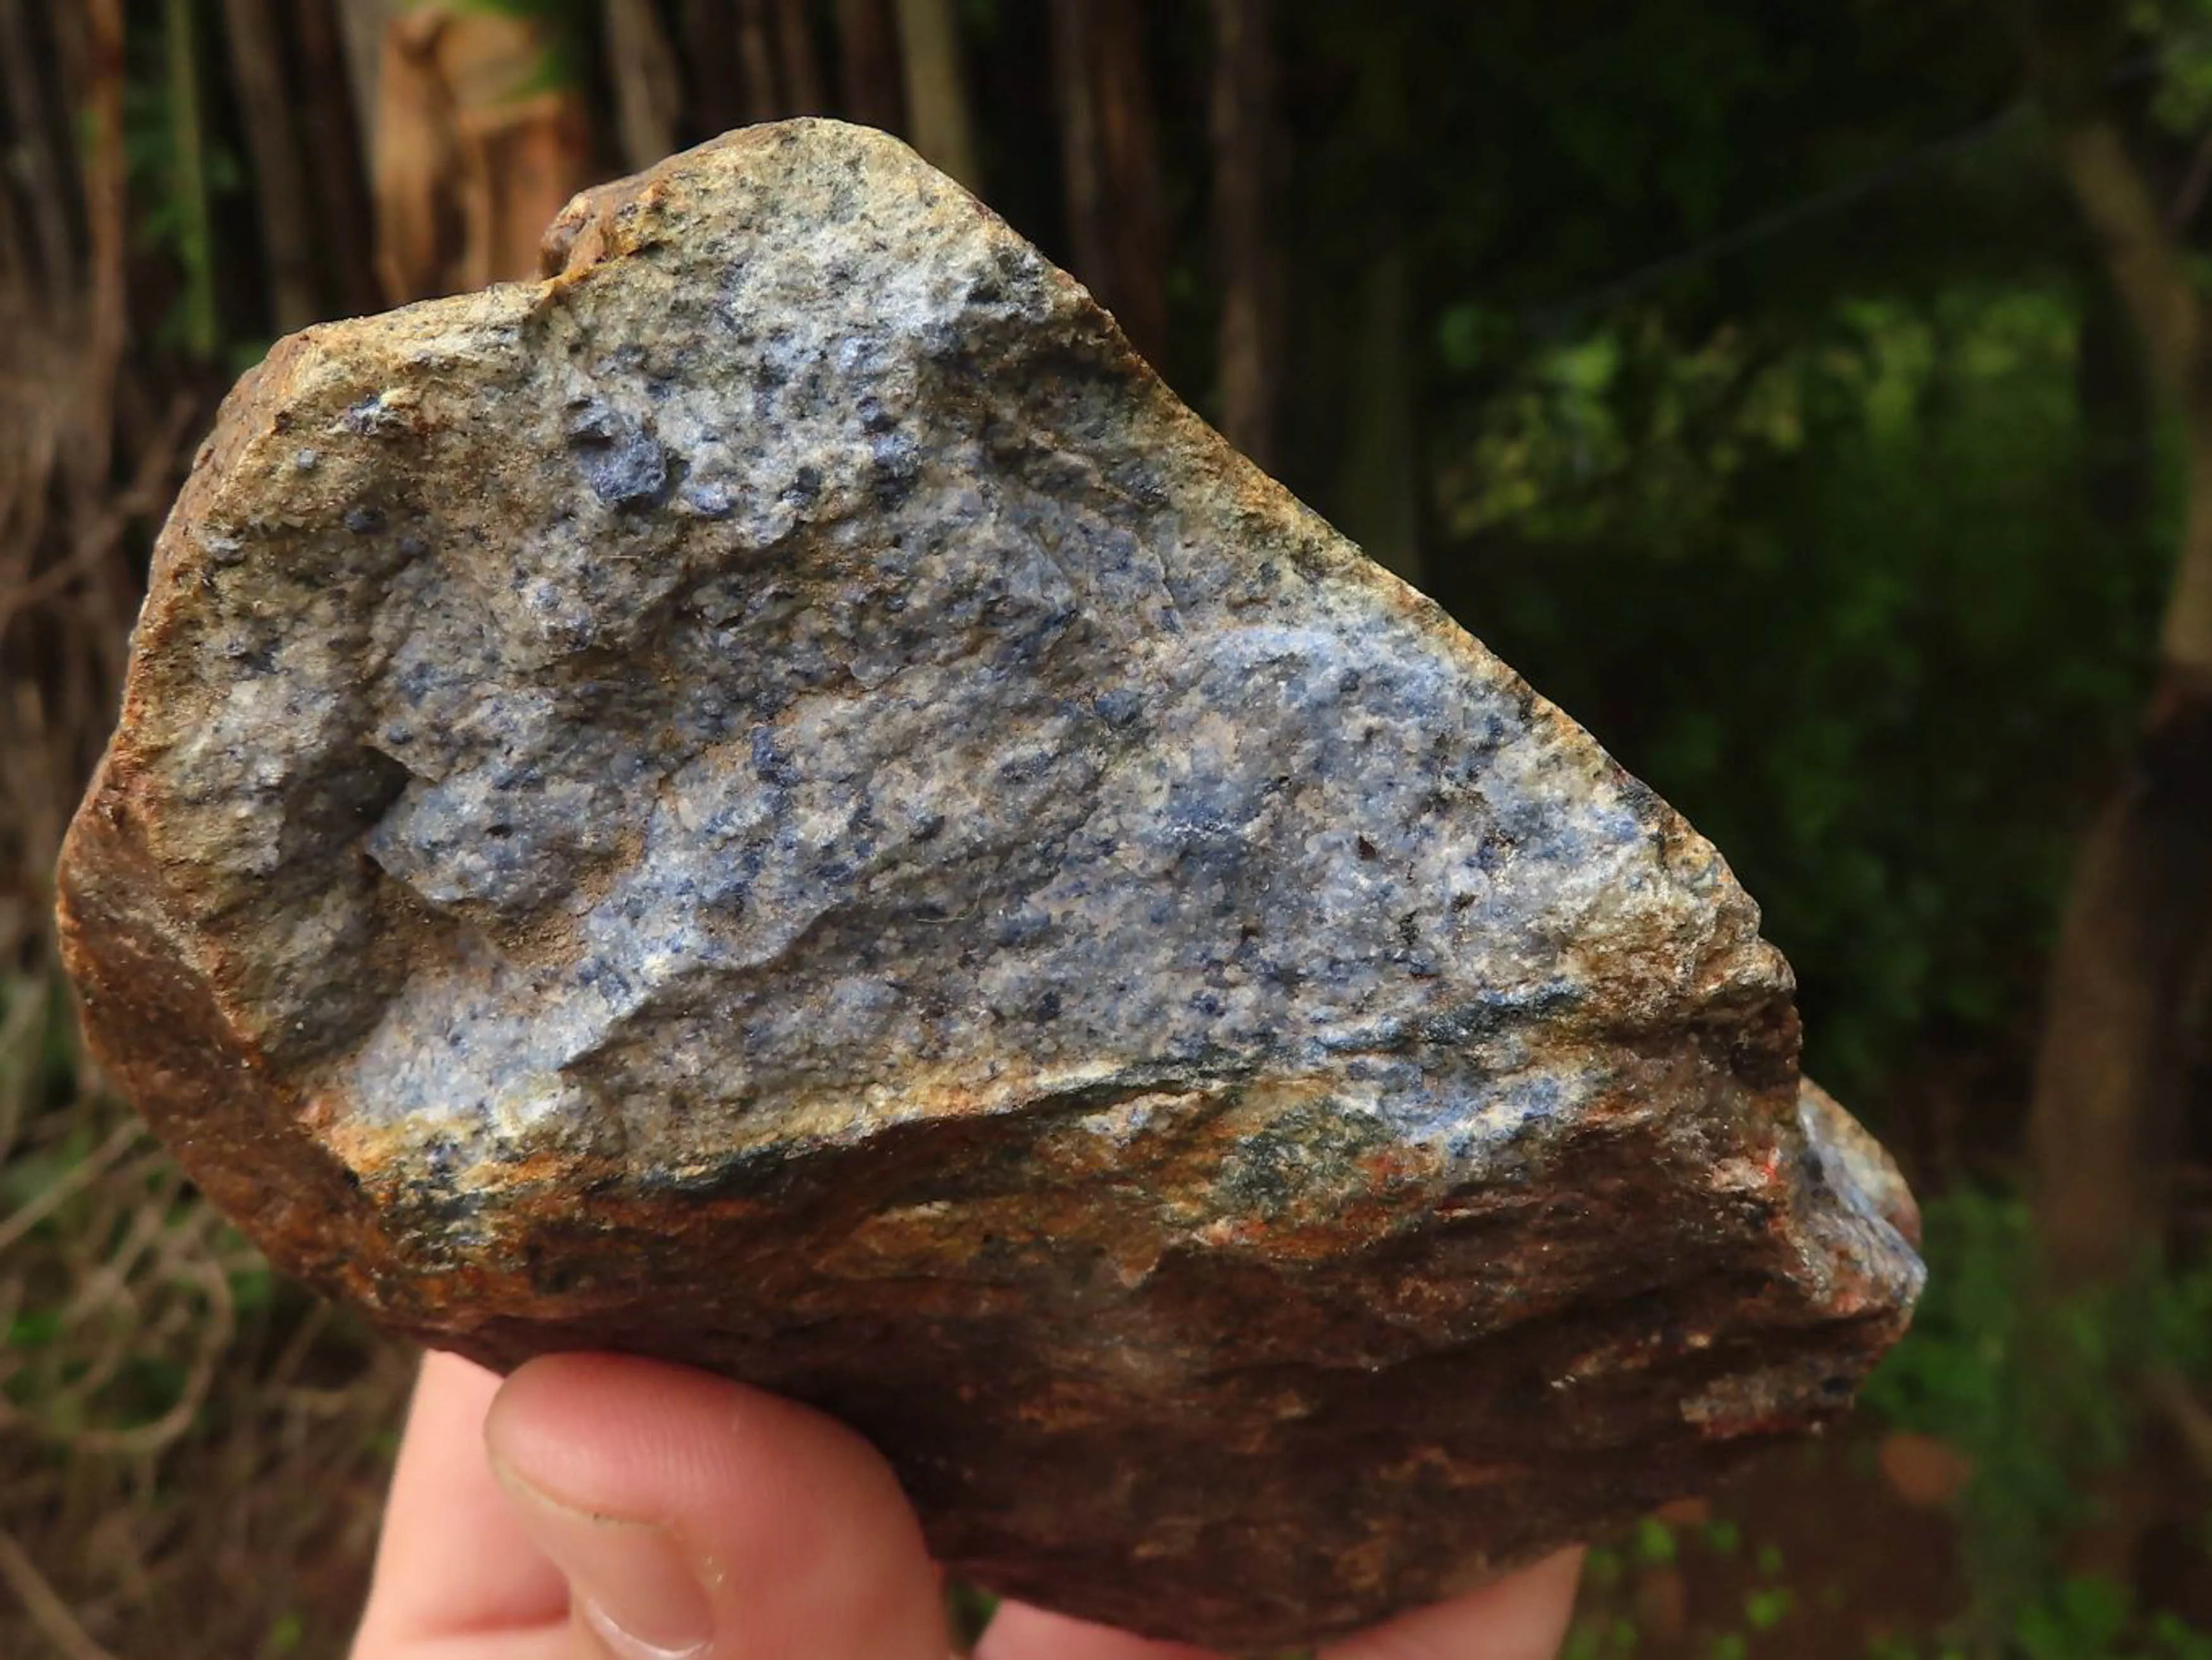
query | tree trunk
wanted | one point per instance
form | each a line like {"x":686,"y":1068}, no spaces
{"x":102,"y":168}
{"x":1110,"y":164}
{"x":2186,"y":636}
{"x":187,"y":136}
{"x":796,"y":51}
{"x":475,"y":152}
{"x":1379,"y":481}
{"x":272,"y":140}
{"x":362,"y":24}
{"x":756,"y":55}
{"x":868,"y":63}
{"x":337,"y":162}
{"x":2117,"y":403}
{"x":2111,"y":1074}
{"x":2113,"y":1067}
{"x":649,"y":93}
{"x":1242,"y":128}
{"x":36,"y":154}
{"x":1378,"y":493}
{"x":937,"y":88}
{"x":715,"y":74}
{"x":1129,"y":151}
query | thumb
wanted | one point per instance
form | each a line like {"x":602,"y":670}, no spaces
{"x":697,"y":1519}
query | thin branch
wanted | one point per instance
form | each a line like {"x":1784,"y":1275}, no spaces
{"x":48,"y":1612}
{"x":2146,"y":264}
{"x":2191,"y":196}
{"x":2189,"y":1418}
{"x":148,"y":492}
{"x":70,"y":1181}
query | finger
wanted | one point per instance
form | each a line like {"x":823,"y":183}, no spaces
{"x":1018,"y":1631}
{"x":454,"y":1563}
{"x":1521,"y":1618}
{"x":696,"y":1517}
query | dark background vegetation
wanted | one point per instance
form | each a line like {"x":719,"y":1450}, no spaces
{"x":1815,"y":398}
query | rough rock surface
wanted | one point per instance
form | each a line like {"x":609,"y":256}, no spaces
{"x":774,"y":799}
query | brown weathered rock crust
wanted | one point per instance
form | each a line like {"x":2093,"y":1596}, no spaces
{"x":774,"y":800}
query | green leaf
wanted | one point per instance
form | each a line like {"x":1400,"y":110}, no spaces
{"x":1765,"y":1609}
{"x":1654,"y":1543}
{"x":35,"y":1328}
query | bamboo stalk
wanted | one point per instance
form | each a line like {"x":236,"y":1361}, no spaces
{"x":51,"y":252}
{"x":264,"y":108}
{"x":937,"y":88}
{"x":194,"y":238}
{"x":763,"y":96}
{"x":648,"y":91}
{"x":337,"y":158}
{"x":868,"y":63}
{"x":1241,"y":129}
{"x":802,"y":64}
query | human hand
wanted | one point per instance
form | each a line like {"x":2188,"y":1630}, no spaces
{"x":641,"y":1511}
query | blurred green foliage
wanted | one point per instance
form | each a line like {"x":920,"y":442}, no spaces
{"x":2182,"y":100}
{"x":2042,"y":1394}
{"x":2083,"y":1618}
{"x":177,"y":174}
{"x":1838,"y":590}
{"x":2043,"y":1398}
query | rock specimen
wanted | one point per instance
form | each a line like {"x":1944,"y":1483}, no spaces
{"x":775,"y":801}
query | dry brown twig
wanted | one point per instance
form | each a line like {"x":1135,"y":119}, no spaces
{"x":46,"y":1609}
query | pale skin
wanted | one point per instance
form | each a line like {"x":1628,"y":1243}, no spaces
{"x":595,"y":1507}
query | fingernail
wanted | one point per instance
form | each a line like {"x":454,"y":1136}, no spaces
{"x":630,"y":1581}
